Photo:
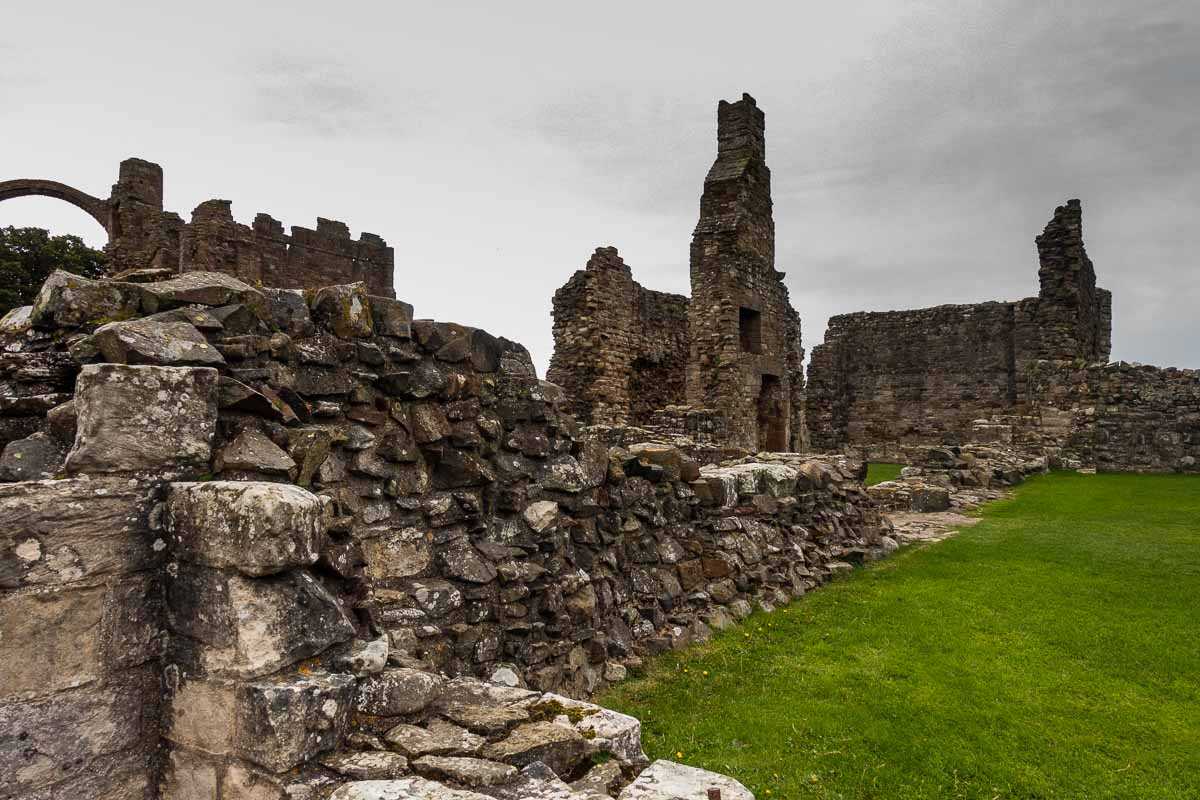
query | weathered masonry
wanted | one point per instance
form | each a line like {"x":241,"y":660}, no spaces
{"x":1032,"y":372}
{"x":141,"y":235}
{"x":722,"y":367}
{"x":256,"y":543}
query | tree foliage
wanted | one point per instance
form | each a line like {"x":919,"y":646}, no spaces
{"x":29,"y":255}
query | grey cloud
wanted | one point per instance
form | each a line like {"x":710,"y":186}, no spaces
{"x":921,"y":176}
{"x":956,"y":173}
{"x":639,"y":148}
{"x":317,"y":96}
{"x":916,"y":148}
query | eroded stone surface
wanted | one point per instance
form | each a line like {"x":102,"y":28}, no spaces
{"x":247,"y":627}
{"x":366,"y":766}
{"x":439,"y":738}
{"x":145,"y":341}
{"x":473,"y":772}
{"x":144,"y":418}
{"x":33,"y":458}
{"x":557,"y":745}
{"x":403,"y":789}
{"x":396,"y":691}
{"x":666,"y":780}
{"x":284,"y":722}
{"x":257,"y":528}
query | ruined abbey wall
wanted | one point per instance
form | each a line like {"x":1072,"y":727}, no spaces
{"x":925,"y":376}
{"x":621,"y":350}
{"x":141,"y":235}
{"x":723,"y":367}
{"x":248,"y":527}
{"x":1032,"y":373}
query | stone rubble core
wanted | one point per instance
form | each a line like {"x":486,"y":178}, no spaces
{"x":723,"y":367}
{"x":1032,"y":374}
{"x":280,"y":569}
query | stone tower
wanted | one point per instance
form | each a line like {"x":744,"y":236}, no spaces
{"x":745,"y":358}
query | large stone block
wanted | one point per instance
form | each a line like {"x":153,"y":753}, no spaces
{"x":67,"y":300}
{"x":402,"y":789}
{"x":190,"y":777}
{"x":284,"y":722}
{"x":666,"y":780}
{"x":50,"y":640}
{"x":248,"y":627}
{"x":608,"y":731}
{"x":397,"y":691}
{"x":35,"y":457}
{"x":55,"y":532}
{"x":557,"y":745}
{"x":203,"y":288}
{"x":345,"y":310}
{"x":256,"y":528}
{"x":150,"y":341}
{"x":63,"y":737}
{"x":392,"y":317}
{"x":202,"y":714}
{"x":144,"y":419}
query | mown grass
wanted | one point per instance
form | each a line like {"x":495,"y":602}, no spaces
{"x":878,"y":473}
{"x":1051,"y":651}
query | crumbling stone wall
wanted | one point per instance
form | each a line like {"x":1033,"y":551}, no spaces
{"x":620,"y":350}
{"x":1116,"y":417}
{"x":732,"y":351}
{"x":925,"y":376}
{"x":141,"y":235}
{"x":325,"y":502}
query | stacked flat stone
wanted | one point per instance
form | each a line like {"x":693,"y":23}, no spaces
{"x":342,"y":507}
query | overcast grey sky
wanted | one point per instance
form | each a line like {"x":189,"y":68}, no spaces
{"x":916,"y":147}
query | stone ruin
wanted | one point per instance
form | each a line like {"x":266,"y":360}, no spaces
{"x":141,"y":235}
{"x":723,"y":367}
{"x":285,"y":541}
{"x":720,"y":373}
{"x":1033,"y":374}
{"x":271,"y":543}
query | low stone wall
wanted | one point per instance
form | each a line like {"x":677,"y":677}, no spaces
{"x":935,"y":476}
{"x":322,"y":486}
{"x":1119,"y":417}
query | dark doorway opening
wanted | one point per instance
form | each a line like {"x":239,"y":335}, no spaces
{"x":772,"y":423}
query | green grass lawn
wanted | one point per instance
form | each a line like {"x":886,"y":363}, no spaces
{"x":878,"y":473}
{"x":1051,"y":651}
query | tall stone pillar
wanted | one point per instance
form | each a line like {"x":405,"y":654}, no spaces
{"x":744,"y":341}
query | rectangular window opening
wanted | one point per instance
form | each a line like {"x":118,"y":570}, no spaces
{"x":750,"y":330}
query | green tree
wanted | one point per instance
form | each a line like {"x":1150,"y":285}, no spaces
{"x":29,"y":255}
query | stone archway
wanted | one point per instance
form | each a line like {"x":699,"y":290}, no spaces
{"x":97,"y":209}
